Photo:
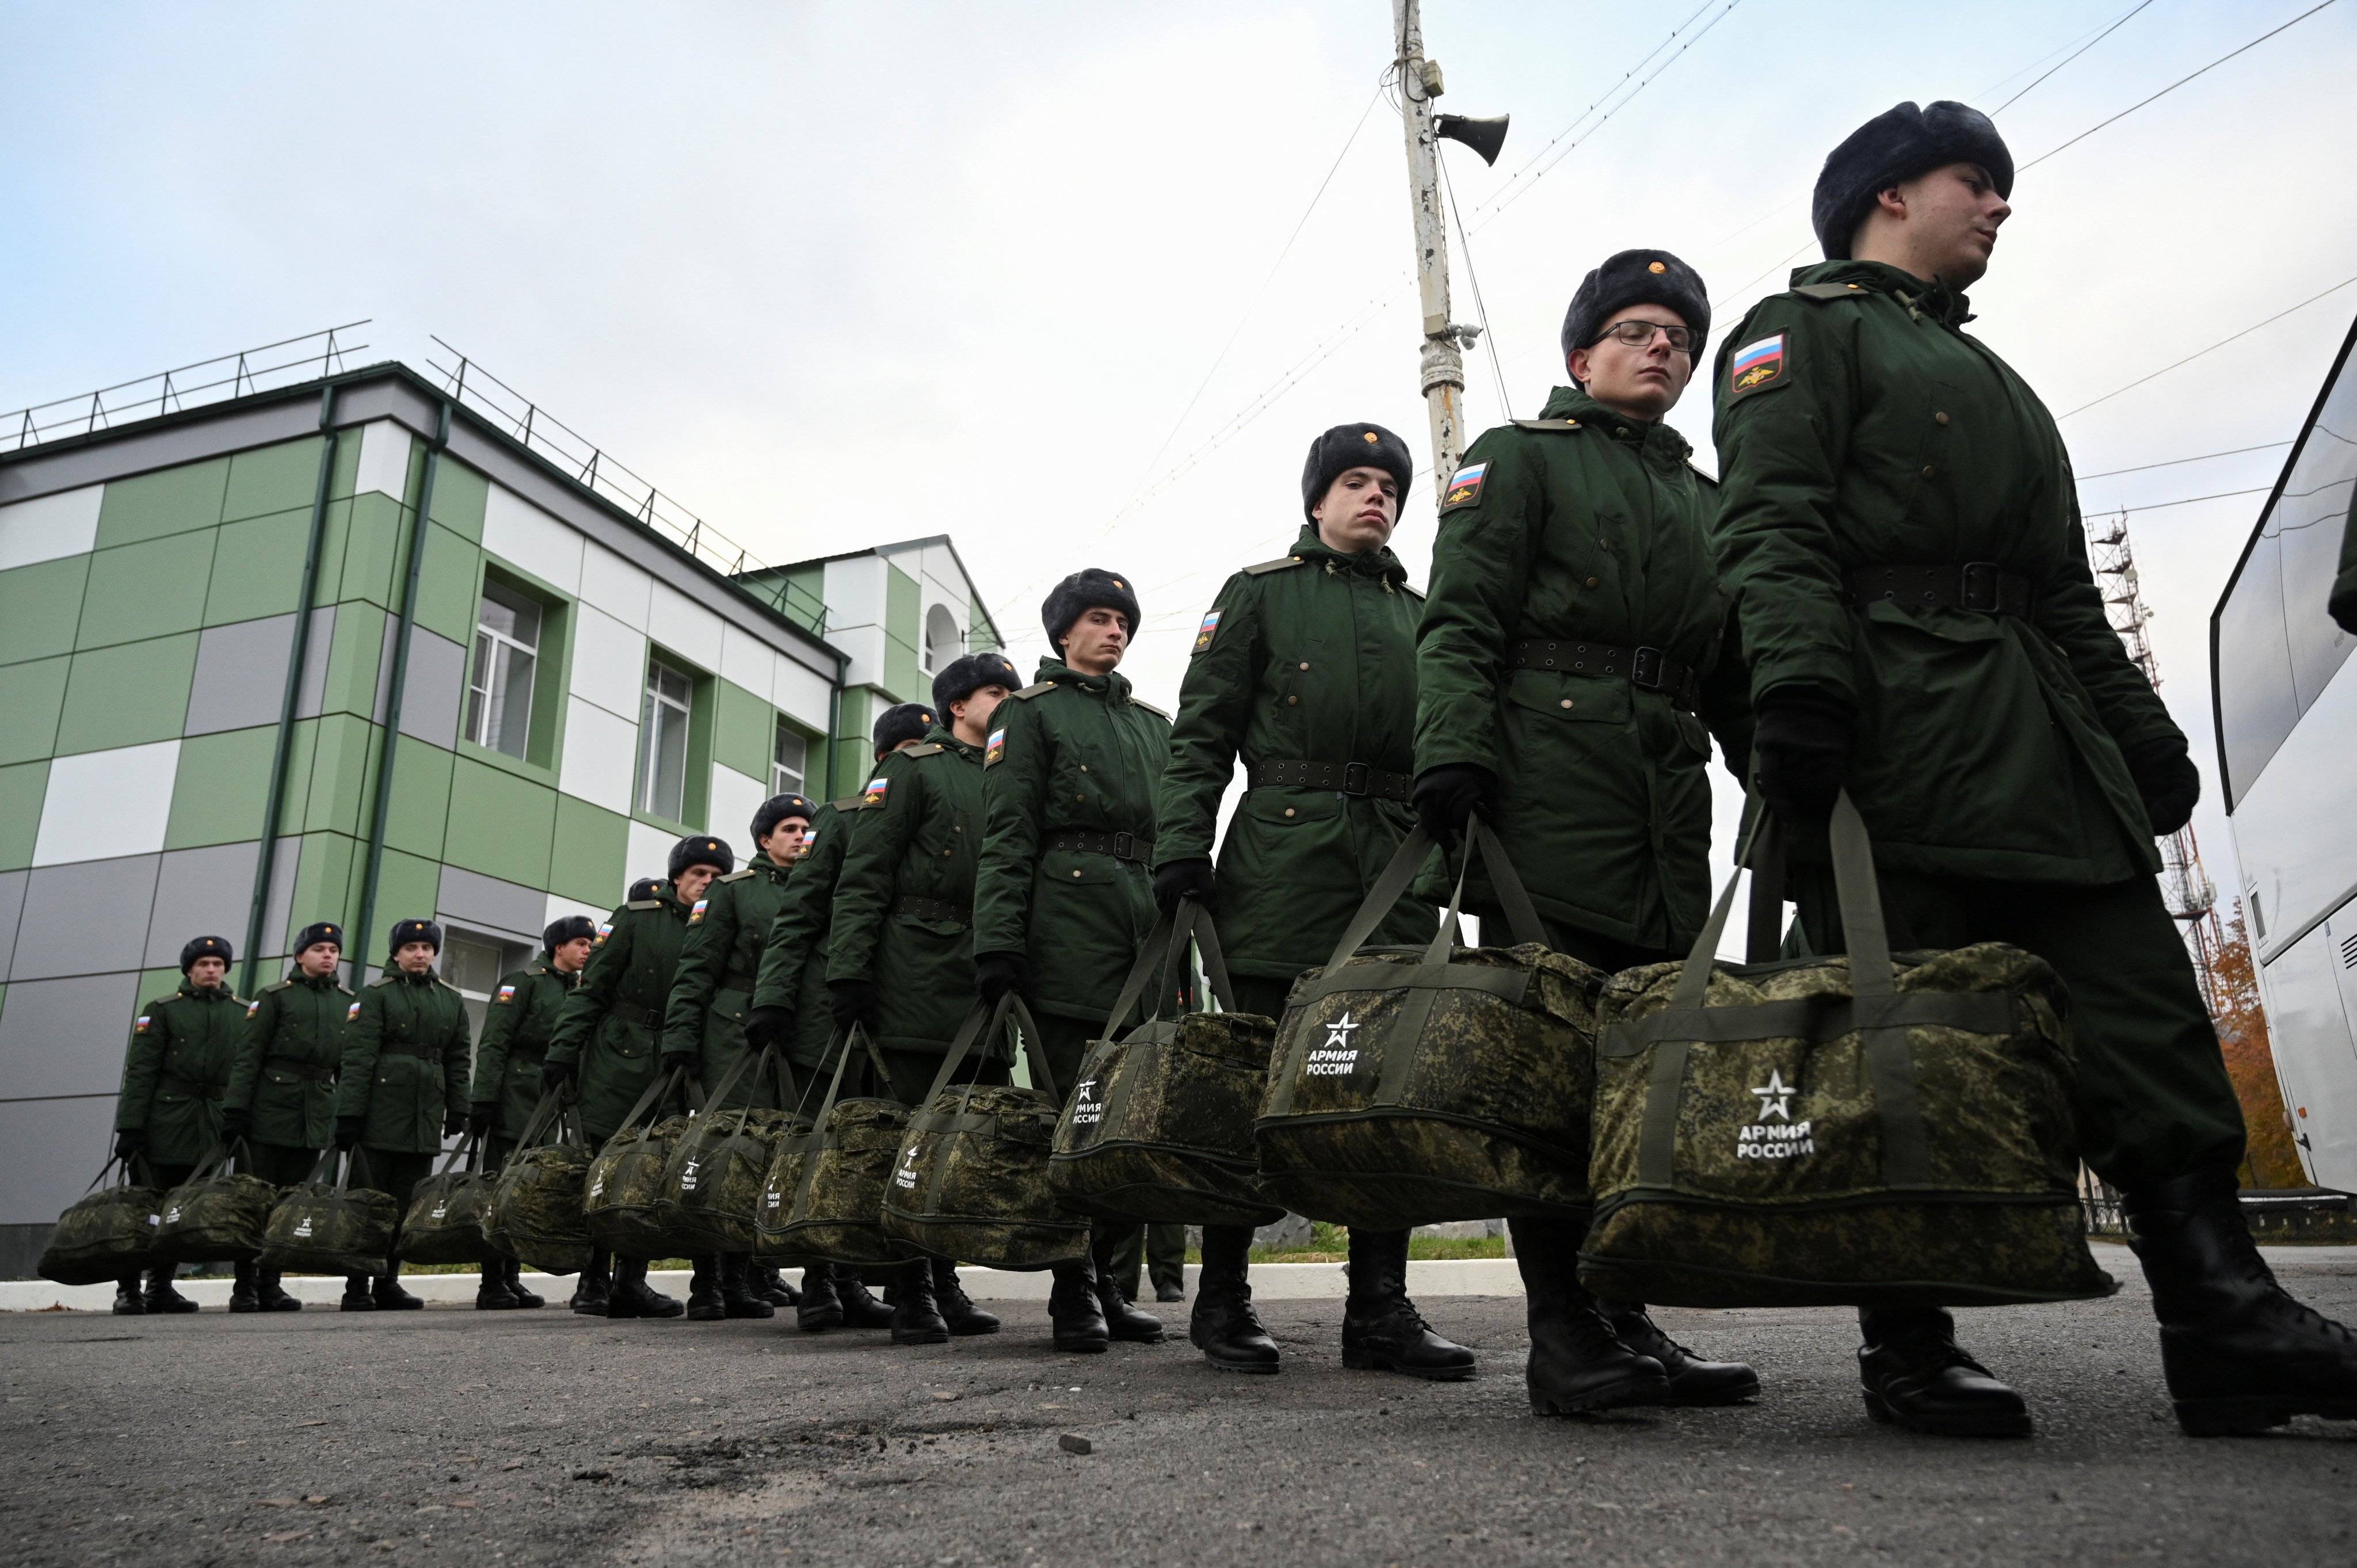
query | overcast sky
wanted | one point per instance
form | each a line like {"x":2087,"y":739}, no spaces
{"x":833,"y":276}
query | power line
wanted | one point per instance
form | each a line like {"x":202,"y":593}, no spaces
{"x":2173,"y":462}
{"x":1488,"y":338}
{"x":2083,"y":48}
{"x":2184,"y":500}
{"x":2213,"y":348}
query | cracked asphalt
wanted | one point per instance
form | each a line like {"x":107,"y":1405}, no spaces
{"x":538,"y":1437}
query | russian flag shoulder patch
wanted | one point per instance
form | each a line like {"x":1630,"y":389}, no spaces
{"x":1757,"y":365}
{"x":1465,"y":488}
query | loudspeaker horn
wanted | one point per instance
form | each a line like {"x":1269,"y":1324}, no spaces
{"x":1484,"y":136}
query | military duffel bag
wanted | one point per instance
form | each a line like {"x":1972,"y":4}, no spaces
{"x":216,"y":1215}
{"x":536,"y":1215}
{"x":1416,"y":1085}
{"x":332,"y":1228}
{"x":623,"y":1199}
{"x":447,"y":1210}
{"x":1834,"y":1131}
{"x":107,"y":1235}
{"x":972,"y":1180}
{"x":712,"y":1185}
{"x":824,"y":1199}
{"x":1160,"y":1124}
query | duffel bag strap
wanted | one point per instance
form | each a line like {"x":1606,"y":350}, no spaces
{"x":728,"y":1079}
{"x":470,"y":1149}
{"x":1215,"y":962}
{"x":984,"y":1020}
{"x":658,"y":1091}
{"x":544,"y":1116}
{"x":826,"y":1107}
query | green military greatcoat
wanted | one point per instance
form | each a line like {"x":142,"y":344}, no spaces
{"x":609,"y":1030}
{"x":792,"y":973}
{"x":712,"y":985}
{"x":287,"y":1057}
{"x":1074,"y":754}
{"x":405,"y":1059}
{"x":904,"y":902}
{"x":516,"y":1029}
{"x":1307,"y":659}
{"x":1585,"y":529}
{"x":176,"y":1071}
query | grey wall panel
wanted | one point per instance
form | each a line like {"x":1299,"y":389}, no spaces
{"x":437,"y":679}
{"x":486,"y":902}
{"x":86,"y":918}
{"x":201,"y":892}
{"x":54,"y":1146}
{"x":12,"y":904}
{"x":241,"y":674}
{"x":65,"y":1037}
{"x":314,"y":663}
{"x":277,"y":920}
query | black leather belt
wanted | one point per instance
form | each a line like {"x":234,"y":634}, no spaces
{"x":409,"y":1048}
{"x":631,"y":1012}
{"x":190,"y":1085}
{"x":300,"y":1068}
{"x":1121,"y":846}
{"x":919,"y":908}
{"x":1647,"y":669}
{"x":1345,"y":777}
{"x":1980,"y":586}
{"x":517,"y":1051}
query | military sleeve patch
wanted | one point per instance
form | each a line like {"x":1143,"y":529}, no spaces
{"x":139,"y":1024}
{"x":696,"y":913}
{"x":874,"y":794}
{"x":507,"y":993}
{"x":1208,"y":630}
{"x":253,"y":1006}
{"x":996,"y":750}
{"x":1757,"y":365}
{"x":605,"y":929}
{"x":1465,"y":489}
{"x":351,"y":1011}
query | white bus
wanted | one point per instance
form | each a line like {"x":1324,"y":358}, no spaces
{"x":2284,"y":696}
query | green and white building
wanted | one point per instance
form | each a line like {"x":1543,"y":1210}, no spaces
{"x":572,"y":688}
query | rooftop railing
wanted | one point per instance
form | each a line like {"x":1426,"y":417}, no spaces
{"x":218,"y":380}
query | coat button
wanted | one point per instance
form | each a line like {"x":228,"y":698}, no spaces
{"x":1292,"y":702}
{"x":1591,"y":582}
{"x":1304,"y":664}
{"x":1288,"y":811}
{"x":1084,"y":768}
{"x":1940,"y":419}
{"x":1565,"y":703}
{"x":1076,"y":873}
{"x":1929,"y":469}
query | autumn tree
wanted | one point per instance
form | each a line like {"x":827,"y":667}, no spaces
{"x":2242,"y":1020}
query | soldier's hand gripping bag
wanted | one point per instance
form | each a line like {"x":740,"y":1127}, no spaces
{"x":713,"y":1183}
{"x":623,"y":1199}
{"x":1878,"y":1129}
{"x":323,"y":1227}
{"x":536,"y":1214}
{"x":449,"y":1210}
{"x":1416,"y":1085}
{"x":1160,"y":1124}
{"x":972,"y":1180}
{"x":217,"y":1215}
{"x":106,"y":1234}
{"x":824,"y":1199}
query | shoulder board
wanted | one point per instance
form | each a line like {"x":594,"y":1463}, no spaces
{"x":1707,"y":479}
{"x":163,"y":1000}
{"x":1830,"y":290}
{"x":930,"y":749}
{"x":383,"y":980}
{"x":1030,"y":692}
{"x":1411,"y":593}
{"x":1150,"y":708}
{"x":1277,"y":565}
{"x":1547,"y":424}
{"x":644,"y":904}
{"x":849,"y":803}
{"x":736,"y":876}
{"x":346,"y":989}
{"x":278,"y":985}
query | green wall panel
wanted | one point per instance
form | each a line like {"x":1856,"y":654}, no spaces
{"x":128,"y":695}
{"x":222,"y":783}
{"x":170,"y":500}
{"x":591,"y":848}
{"x":853,"y":752}
{"x":903,"y":611}
{"x":355,"y":659}
{"x":747,"y":731}
{"x":372,"y":541}
{"x":341,"y":755}
{"x":499,"y":824}
{"x":146,"y":590}
{"x":22,"y":788}
{"x":348,"y":465}
{"x":155,"y":984}
{"x":272,"y":478}
{"x":257,"y":567}
{"x":421,"y":798}
{"x":31,"y":697}
{"x":299,"y":752}
{"x":327,"y":885}
{"x":901,"y":676}
{"x":459,"y":494}
{"x":446,"y":586}
{"x":408,"y":887}
{"x":334,"y":540}
{"x":39,"y":606}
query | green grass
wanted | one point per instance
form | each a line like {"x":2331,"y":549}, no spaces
{"x":1331,"y":1244}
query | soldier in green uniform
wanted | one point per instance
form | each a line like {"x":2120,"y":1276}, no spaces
{"x":1572,"y":669}
{"x":1900,"y":526}
{"x":507,"y":1087}
{"x":175,"y":1073}
{"x":281,"y":1088}
{"x":402,"y":1088}
{"x":900,"y":958}
{"x":607,"y":1046}
{"x":1303,"y":668}
{"x":712,"y":996}
{"x":1062,"y":898}
{"x":793,"y":1009}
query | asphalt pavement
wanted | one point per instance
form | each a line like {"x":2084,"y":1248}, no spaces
{"x":531,"y":1438}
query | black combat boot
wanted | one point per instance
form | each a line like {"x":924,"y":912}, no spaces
{"x":632,"y":1296}
{"x":513,"y":1272}
{"x":1382,"y":1330}
{"x":242,"y":1295}
{"x":162,"y":1297}
{"x":358,"y":1296}
{"x":1074,"y":1311}
{"x":2240,"y":1354}
{"x":491,"y":1294}
{"x":1917,"y":1377}
{"x":1693,"y":1381}
{"x":1223,"y":1325}
{"x":820,"y":1308}
{"x":1122,"y":1320}
{"x":737,"y":1296}
{"x":1578,"y":1362}
{"x":957,"y":1308}
{"x":272,"y":1295}
{"x":593,"y":1291}
{"x":771,"y":1287}
{"x":915,"y":1320}
{"x":705,"y":1301}
{"x":129,"y":1302}
{"x":860,"y":1310}
{"x":390,"y":1296}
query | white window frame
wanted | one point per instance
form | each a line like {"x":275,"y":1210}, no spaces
{"x":659,"y":710}
{"x":490,"y":719}
{"x":782,"y":779}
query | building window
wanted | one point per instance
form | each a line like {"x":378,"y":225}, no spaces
{"x":788,"y":767}
{"x":507,"y":653}
{"x":663,"y":742}
{"x":472,"y":965}
{"x":944,"y":641}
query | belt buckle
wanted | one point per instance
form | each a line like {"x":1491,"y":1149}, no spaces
{"x":1355,"y":778}
{"x":1645,"y":670}
{"x":1971,"y":581}
{"x":1124,"y":847}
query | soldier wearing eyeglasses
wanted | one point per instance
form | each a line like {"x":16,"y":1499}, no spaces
{"x":1574,"y":662}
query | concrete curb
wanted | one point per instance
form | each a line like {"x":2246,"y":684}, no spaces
{"x":1271,"y":1281}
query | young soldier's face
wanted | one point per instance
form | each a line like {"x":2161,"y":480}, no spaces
{"x":570,"y":957}
{"x":784,"y":844}
{"x":1096,"y":640}
{"x":1948,"y":220}
{"x":1643,"y":381}
{"x":319,"y":958}
{"x":1361,"y":509}
{"x":414,"y":958}
{"x":690,"y":884}
{"x":974,"y":711}
{"x":208,"y":972}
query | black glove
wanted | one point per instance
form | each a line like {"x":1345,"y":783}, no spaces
{"x":996,"y":973}
{"x":1185,"y":879}
{"x":1447,"y":795}
{"x":678,"y":1061}
{"x":237,"y":1122}
{"x":2164,"y":776}
{"x":1803,"y":743}
{"x":130,"y":1144}
{"x":347,"y":1130}
{"x":766,"y":1026}
{"x":484,"y":1119}
{"x":851,"y":1002}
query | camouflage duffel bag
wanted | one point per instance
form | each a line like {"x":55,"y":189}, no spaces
{"x":972,"y":1180}
{"x":447,"y":1211}
{"x":1160,"y":1124}
{"x":1412,"y":1086}
{"x":712,"y":1185}
{"x":536,"y":1215}
{"x":216,"y":1215}
{"x":1864,"y":1131}
{"x":623,"y":1199}
{"x":332,"y":1228}
{"x":824,"y":1199}
{"x":106,"y":1235}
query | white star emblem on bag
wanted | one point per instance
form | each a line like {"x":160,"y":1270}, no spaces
{"x":1775,"y":1099}
{"x":1337,"y":1035}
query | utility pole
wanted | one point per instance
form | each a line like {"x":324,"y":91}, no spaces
{"x":1444,"y":360}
